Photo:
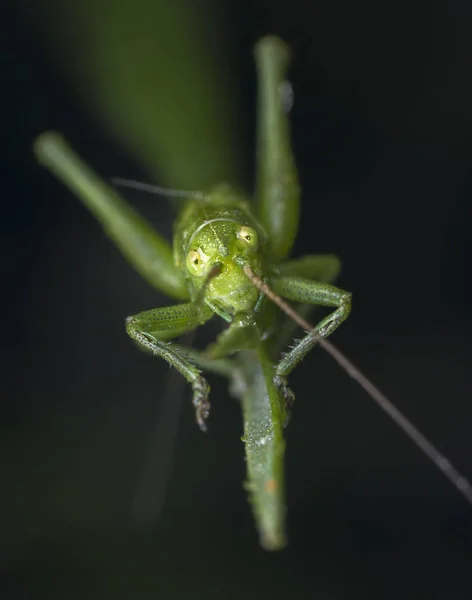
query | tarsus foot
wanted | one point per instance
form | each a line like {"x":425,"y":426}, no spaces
{"x":289,"y":396}
{"x":201,"y":390}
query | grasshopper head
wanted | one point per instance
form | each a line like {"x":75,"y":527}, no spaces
{"x":228,"y":246}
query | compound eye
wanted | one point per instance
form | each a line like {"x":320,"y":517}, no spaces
{"x":196,"y":262}
{"x":249,"y":236}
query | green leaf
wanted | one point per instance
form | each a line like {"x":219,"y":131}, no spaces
{"x":264,"y":414}
{"x":157,"y":75}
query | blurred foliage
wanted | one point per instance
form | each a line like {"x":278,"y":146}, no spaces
{"x":158,"y":76}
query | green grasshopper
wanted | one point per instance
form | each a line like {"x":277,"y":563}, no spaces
{"x":216,"y":241}
{"x":230,"y":258}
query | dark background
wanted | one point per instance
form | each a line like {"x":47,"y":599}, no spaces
{"x":382,"y":131}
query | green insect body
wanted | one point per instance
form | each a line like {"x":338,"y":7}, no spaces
{"x":226,"y":249}
{"x":217,"y":233}
{"x":218,"y":236}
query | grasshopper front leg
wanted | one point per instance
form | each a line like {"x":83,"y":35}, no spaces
{"x":153,"y":328}
{"x":303,"y":290}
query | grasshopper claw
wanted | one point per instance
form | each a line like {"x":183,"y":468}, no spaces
{"x":201,"y":390}
{"x":289,"y":396}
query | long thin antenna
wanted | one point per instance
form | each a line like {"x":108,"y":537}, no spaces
{"x":379,"y":397}
{"x":155,"y":189}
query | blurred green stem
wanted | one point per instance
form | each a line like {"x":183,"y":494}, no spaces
{"x":158,"y":76}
